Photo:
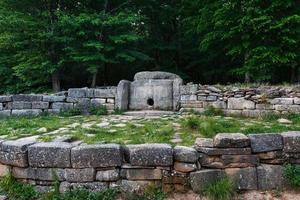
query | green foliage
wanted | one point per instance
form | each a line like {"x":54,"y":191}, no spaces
{"x":292,"y":174}
{"x":191,"y":122}
{"x":212,"y":111}
{"x":118,"y":111}
{"x":17,"y":191}
{"x":151,"y":192}
{"x":98,"y":110}
{"x":70,"y":112}
{"x":222,"y":189}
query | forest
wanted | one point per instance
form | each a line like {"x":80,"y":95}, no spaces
{"x":52,"y":45}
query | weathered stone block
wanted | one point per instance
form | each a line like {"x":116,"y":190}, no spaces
{"x":204,"y":142}
{"x":53,"y":98}
{"x":265,"y":107}
{"x":270,"y":177}
{"x":297,"y":100}
{"x":142,"y":174}
{"x":265,"y":142}
{"x":189,"y":89}
{"x":97,"y":102}
{"x":25,"y":97}
{"x":219,"y":104}
{"x":185,"y":167}
{"x":106,"y":155}
{"x":135,"y":186}
{"x":18,"y":105}
{"x":14,"y":153}
{"x":77,"y":92}
{"x":270,"y":155}
{"x":224,"y":151}
{"x":40,"y":105}
{"x":4,"y":170}
{"x":5,"y":99}
{"x":188,"y":97}
{"x":80,"y":175}
{"x":199,"y":180}
{"x":291,"y":142}
{"x":108,"y":175}
{"x":150,"y":155}
{"x":27,"y":112}
{"x":43,"y":174}
{"x":1,"y":107}
{"x":185,"y":154}
{"x":255,"y":113}
{"x":90,"y":93}
{"x":62,"y":106}
{"x":231,"y":140}
{"x":5,"y":113}
{"x":211,"y":161}
{"x":240,"y":161}
{"x":240,"y":104}
{"x":90,"y":186}
{"x":283,"y":101}
{"x":122,"y":97}
{"x":243,"y":179}
{"x":105,"y":93}
{"x":233,"y":112}
{"x":50,"y":154}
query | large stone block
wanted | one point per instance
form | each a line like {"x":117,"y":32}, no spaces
{"x":283,"y":101}
{"x":50,"y":154}
{"x":108,"y":175}
{"x":62,"y":106}
{"x":142,"y":174}
{"x":122,"y":97}
{"x":18,"y":105}
{"x":185,"y":167}
{"x":40,"y":105}
{"x":130,"y":186}
{"x":291,"y":142}
{"x":1,"y":107}
{"x":203,"y":142}
{"x":240,"y":104}
{"x":4,"y":170}
{"x":146,"y":75}
{"x":185,"y":154}
{"x":199,"y":180}
{"x":240,"y":161}
{"x":25,"y":97}
{"x":150,"y":155}
{"x":189,"y":89}
{"x":53,"y":98}
{"x":27,"y":112}
{"x":98,"y":102}
{"x":231,"y":140}
{"x":90,"y":186}
{"x":105,"y":92}
{"x":243,"y":179}
{"x":96,"y":156}
{"x":14,"y":153}
{"x":77,"y":92}
{"x":80,"y":175}
{"x":224,"y":151}
{"x":5,"y":113}
{"x":4,"y":99}
{"x":188,"y":97}
{"x":42,"y":174}
{"x":270,"y":177}
{"x":265,"y":142}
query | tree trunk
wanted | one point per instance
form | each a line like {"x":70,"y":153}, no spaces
{"x":55,"y":82}
{"x":94,"y":79}
{"x":247,"y":77}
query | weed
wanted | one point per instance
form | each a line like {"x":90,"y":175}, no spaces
{"x":152,"y":192}
{"x":70,"y":112}
{"x":118,"y":111}
{"x":292,"y":174}
{"x":98,"y":110}
{"x":212,"y":111}
{"x":222,"y":189}
{"x":191,"y":122}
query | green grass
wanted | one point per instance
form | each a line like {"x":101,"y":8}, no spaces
{"x":292,"y":174}
{"x":222,"y":189}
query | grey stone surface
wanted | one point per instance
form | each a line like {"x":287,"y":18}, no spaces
{"x":40,"y":105}
{"x":204,"y":142}
{"x":224,"y":151}
{"x":80,"y":175}
{"x":231,"y":140}
{"x":135,"y":186}
{"x":96,"y":156}
{"x":184,"y":167}
{"x":62,"y":106}
{"x":43,"y":174}
{"x":243,"y":178}
{"x":270,"y":177}
{"x":1,"y":107}
{"x":291,"y":141}
{"x":14,"y":153}
{"x":240,"y":104}
{"x":5,"y":99}
{"x":77,"y":92}
{"x":90,"y":186}
{"x":284,"y":101}
{"x":108,"y":175}
{"x":53,"y":98}
{"x":105,"y":92}
{"x":122,"y":97}
{"x":25,"y":97}
{"x":142,"y":174}
{"x":146,"y":75}
{"x":5,"y":113}
{"x":185,"y":154}
{"x":18,"y":105}
{"x":199,"y":180}
{"x":265,"y":142}
{"x":97,"y":102}
{"x":240,"y":160}
{"x":50,"y":154}
{"x":27,"y":112}
{"x":189,"y":89}
{"x":150,"y":155}
{"x":188,"y":97}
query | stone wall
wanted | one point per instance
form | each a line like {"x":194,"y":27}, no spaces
{"x":83,"y":98}
{"x":252,"y":162}
{"x":250,"y":102}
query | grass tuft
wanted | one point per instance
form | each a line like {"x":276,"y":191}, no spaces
{"x":99,"y":110}
{"x":292,"y":174}
{"x":222,"y":189}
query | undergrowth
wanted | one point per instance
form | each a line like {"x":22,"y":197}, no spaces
{"x":222,"y":189}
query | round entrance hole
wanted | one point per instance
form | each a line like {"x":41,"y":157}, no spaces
{"x":150,"y":102}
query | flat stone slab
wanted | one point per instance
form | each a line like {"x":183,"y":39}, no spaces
{"x":291,"y":141}
{"x":204,"y":142}
{"x":15,"y":153}
{"x":185,"y":154}
{"x":108,"y":175}
{"x":80,"y":175}
{"x":50,"y":154}
{"x":149,"y":113}
{"x":94,"y":156}
{"x":43,"y":174}
{"x":244,"y":178}
{"x":270,"y":177}
{"x":231,"y":140}
{"x":91,"y":186}
{"x":224,"y":151}
{"x":130,"y":186}
{"x":150,"y":155}
{"x":142,"y":174}
{"x":265,"y":142}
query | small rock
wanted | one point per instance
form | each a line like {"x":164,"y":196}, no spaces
{"x":185,"y":167}
{"x":103,"y":125}
{"x":42,"y":130}
{"x":120,"y":125}
{"x":176,"y":140}
{"x":284,"y":121}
